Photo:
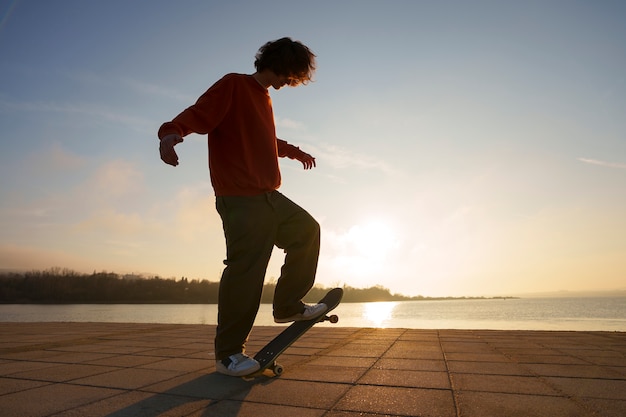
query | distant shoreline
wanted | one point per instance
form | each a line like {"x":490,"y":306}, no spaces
{"x":63,"y":286}
{"x":425,"y":299}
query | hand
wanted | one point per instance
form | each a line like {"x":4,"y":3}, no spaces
{"x":307,"y":160}
{"x":166,"y":148}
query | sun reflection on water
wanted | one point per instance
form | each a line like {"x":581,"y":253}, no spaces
{"x":379,"y":313}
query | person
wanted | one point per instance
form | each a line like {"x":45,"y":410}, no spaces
{"x":236,"y":115}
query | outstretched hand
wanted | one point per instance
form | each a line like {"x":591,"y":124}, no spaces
{"x":307,"y":160}
{"x":166,"y":148}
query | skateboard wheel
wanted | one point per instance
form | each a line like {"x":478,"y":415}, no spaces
{"x":334,"y":318}
{"x":278,"y":370}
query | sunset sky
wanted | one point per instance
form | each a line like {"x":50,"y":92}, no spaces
{"x":463,"y":147}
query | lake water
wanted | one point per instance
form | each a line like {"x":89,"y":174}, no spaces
{"x":590,"y":314}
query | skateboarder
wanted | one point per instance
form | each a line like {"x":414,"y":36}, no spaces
{"x":236,"y":115}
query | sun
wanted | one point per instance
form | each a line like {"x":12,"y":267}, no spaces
{"x":364,"y":249}
{"x":373,"y":239}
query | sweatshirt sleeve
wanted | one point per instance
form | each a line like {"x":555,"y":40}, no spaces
{"x":203,"y":116}
{"x":287,"y":150}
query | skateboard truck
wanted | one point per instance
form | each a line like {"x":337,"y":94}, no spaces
{"x":269,"y":353}
{"x":332,"y":318}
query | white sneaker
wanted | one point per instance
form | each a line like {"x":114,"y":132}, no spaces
{"x":239,"y":364}
{"x":310,"y":312}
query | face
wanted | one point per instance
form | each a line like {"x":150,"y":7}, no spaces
{"x":279,"y":81}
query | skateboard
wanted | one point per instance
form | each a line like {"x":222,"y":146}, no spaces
{"x":269,"y":353}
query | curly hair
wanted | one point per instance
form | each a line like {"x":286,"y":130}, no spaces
{"x":288,"y":58}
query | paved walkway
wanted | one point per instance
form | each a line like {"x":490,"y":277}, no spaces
{"x":105,"y":369}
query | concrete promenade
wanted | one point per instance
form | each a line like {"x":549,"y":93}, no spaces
{"x":108,"y":369}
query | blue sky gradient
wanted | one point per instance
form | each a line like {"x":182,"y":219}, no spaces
{"x":463,"y":147}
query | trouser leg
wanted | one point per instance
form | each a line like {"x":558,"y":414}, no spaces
{"x":249,"y":228}
{"x":298,"y":233}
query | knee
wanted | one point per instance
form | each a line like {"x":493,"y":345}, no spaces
{"x":314,"y":227}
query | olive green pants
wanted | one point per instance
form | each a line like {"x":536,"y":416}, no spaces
{"x":252,"y":227}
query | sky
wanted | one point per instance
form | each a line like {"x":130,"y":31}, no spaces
{"x":463,"y":148}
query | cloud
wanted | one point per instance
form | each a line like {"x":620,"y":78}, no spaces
{"x":341,"y":158}
{"x":157,"y":90}
{"x":115,"y":223}
{"x":82,"y":109}
{"x":117,"y":178}
{"x":87,"y":78}
{"x":602,"y":163}
{"x":24,"y":257}
{"x":196,"y":217}
{"x":54,"y":158}
{"x":283,"y":122}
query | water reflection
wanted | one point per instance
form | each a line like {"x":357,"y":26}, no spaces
{"x":380,"y":313}
{"x":583,"y":314}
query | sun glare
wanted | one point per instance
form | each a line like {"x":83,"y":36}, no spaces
{"x":379,"y":313}
{"x":373,"y":239}
{"x":365,"y":249}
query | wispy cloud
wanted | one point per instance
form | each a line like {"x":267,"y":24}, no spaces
{"x":92,"y":79}
{"x":288,"y":123}
{"x":83,"y":109}
{"x":602,"y":163}
{"x":157,"y":90}
{"x":54,"y":158}
{"x":343,"y":158}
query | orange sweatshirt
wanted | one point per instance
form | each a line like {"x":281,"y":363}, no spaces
{"x":236,"y":115}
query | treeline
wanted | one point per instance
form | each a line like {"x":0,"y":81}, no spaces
{"x":66,"y":286}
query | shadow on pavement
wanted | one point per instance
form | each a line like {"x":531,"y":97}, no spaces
{"x":204,"y":392}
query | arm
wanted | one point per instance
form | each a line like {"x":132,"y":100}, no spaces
{"x":166,"y":148}
{"x":202,"y":117}
{"x":293,"y":152}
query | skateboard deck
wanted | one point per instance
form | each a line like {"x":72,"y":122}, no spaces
{"x":268,"y":354}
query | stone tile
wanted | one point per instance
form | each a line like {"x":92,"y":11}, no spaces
{"x":411,"y":364}
{"x":168,"y":352}
{"x":130,"y":378}
{"x":488,"y":368}
{"x":126,"y":361}
{"x":477,"y":357}
{"x":212,"y":386}
{"x":354,"y":414}
{"x":139,"y":404}
{"x":399,"y":378}
{"x":10,"y":385}
{"x":620,"y":362}
{"x":76,"y":357}
{"x":411,"y":350}
{"x":398,"y":401}
{"x":32,"y":355}
{"x":353,"y":362}
{"x":605,"y":408}
{"x":362,"y":350}
{"x":591,"y":388}
{"x":466,"y":347}
{"x":251,"y":409}
{"x":65,"y":372}
{"x":488,"y":404}
{"x":501,"y":383}
{"x":579,"y":371}
{"x":548,"y":359}
{"x":331,"y":374}
{"x":180,"y":365}
{"x":295,"y":393}
{"x":12,"y":367}
{"x":50,"y":399}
